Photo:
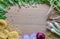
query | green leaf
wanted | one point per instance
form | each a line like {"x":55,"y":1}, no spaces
{"x":4,"y":3}
{"x":20,"y":3}
{"x":31,"y":2}
{"x":2,"y":17}
{"x":2,"y":9}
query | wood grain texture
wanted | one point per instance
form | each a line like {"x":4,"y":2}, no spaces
{"x":28,"y":19}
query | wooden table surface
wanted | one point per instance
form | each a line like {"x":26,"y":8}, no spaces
{"x":29,"y":19}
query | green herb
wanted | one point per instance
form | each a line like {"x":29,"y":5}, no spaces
{"x":2,"y":17}
{"x":20,"y":3}
{"x":31,"y":2}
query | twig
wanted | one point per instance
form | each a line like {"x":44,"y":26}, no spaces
{"x":56,"y":17}
{"x":51,"y":8}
